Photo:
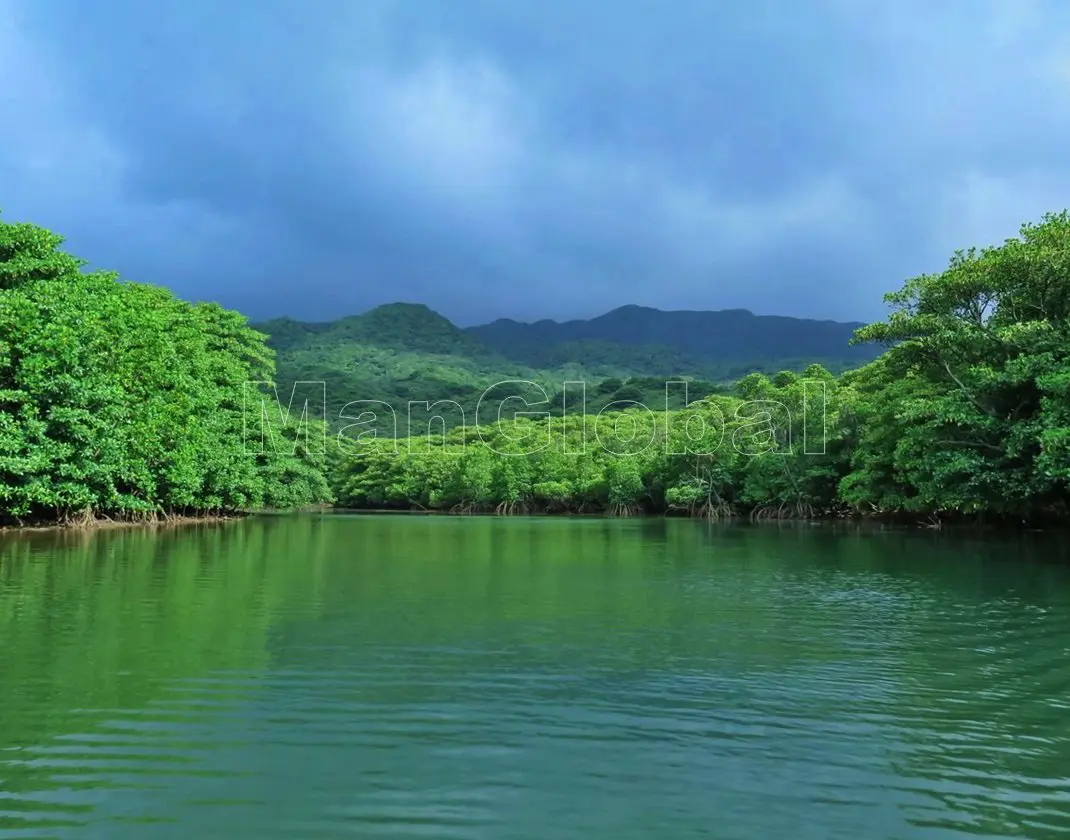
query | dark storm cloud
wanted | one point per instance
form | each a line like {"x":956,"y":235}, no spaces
{"x":533,"y":160}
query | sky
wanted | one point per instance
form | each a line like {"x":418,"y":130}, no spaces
{"x":552,"y":159}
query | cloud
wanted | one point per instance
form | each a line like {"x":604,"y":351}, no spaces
{"x":46,"y":159}
{"x":530,"y":161}
{"x":451,"y":128}
{"x":69,"y":174}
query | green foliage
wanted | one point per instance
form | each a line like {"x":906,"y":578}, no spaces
{"x":967,"y":413}
{"x":402,"y":353}
{"x":720,"y":455}
{"x":119,"y":400}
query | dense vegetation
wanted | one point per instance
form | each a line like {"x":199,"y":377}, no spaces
{"x":966,"y":413}
{"x":119,"y":401}
{"x":402,"y":352}
{"x":712,"y":458}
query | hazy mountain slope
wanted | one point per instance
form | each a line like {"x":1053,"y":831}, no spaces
{"x":395,"y":353}
{"x":406,"y":352}
{"x":410,"y":327}
{"x":730,"y":335}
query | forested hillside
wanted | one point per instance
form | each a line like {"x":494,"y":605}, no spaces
{"x":641,"y":336}
{"x":965,"y":414}
{"x":405,"y":352}
{"x":120,"y":401}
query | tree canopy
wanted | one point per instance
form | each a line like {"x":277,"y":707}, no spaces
{"x":966,"y":413}
{"x":968,"y":410}
{"x":119,"y":400}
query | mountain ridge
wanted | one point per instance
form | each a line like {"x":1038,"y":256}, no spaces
{"x":406,"y":351}
{"x":417,"y":326}
{"x":715,"y":335}
{"x":628,"y":339}
{"x":636,"y":307}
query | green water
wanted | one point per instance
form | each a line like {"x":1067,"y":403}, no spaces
{"x":419,"y":677}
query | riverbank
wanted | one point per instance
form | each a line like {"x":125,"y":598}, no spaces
{"x":96,"y":523}
{"x":878,"y":520}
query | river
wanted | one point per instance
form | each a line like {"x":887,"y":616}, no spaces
{"x":329,"y":676}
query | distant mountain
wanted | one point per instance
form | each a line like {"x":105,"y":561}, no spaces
{"x":396,"y":353}
{"x":402,"y":326}
{"x":405,"y":352}
{"x":728,"y":335}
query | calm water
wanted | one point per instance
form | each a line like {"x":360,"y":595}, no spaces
{"x":375,"y":677}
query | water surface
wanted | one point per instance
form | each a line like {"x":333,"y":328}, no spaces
{"x":388,"y":677}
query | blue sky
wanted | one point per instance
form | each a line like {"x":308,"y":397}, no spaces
{"x":529,"y":160}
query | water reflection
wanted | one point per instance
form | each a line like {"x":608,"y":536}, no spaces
{"x":480,"y":677}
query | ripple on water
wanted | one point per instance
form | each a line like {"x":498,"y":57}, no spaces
{"x":506,"y":680}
